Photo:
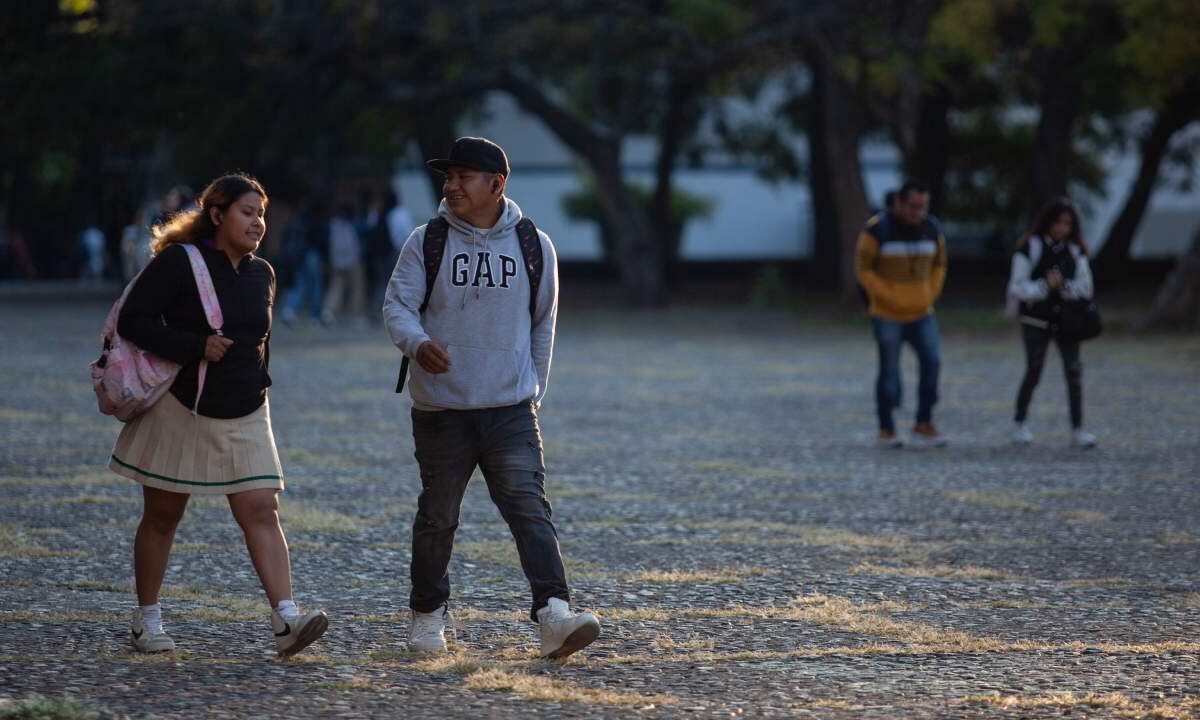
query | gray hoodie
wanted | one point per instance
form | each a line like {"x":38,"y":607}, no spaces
{"x":479,"y":310}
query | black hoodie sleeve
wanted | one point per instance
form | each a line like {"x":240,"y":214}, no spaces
{"x":165,"y":279}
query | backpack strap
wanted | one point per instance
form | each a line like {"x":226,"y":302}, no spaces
{"x":535,"y":263}
{"x":212,"y":309}
{"x":433,"y":247}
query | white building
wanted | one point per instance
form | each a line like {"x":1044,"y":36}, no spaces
{"x":544,"y":170}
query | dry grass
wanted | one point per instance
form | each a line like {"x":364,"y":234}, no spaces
{"x":23,"y":616}
{"x":457,"y":662}
{"x":1177,"y":538}
{"x":88,"y":479}
{"x":750,"y":532}
{"x":699,"y":577}
{"x":213,"y":607}
{"x":1084,"y":516}
{"x":15,"y":541}
{"x":1186,"y":600}
{"x":302,"y":518}
{"x":986,"y":498}
{"x":844,"y":615}
{"x":690,"y":644}
{"x":504,"y":552}
{"x":981,"y":645}
{"x":355,"y":682}
{"x":955,"y":572}
{"x":826,"y":704}
{"x":537,"y":687}
{"x":1103,"y":582}
{"x":1123,"y":705}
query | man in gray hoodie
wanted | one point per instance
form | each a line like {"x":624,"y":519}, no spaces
{"x":480,"y":343}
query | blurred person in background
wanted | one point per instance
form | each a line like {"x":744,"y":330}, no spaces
{"x":92,"y":247}
{"x":346,"y":281}
{"x":135,"y":240}
{"x":901,"y":264}
{"x":1050,"y":266}
{"x":308,"y":243}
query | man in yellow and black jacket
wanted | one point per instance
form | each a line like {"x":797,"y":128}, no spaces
{"x":901,"y":264}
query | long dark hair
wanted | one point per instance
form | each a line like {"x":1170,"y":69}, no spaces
{"x":1048,"y":215}
{"x":194,"y":225}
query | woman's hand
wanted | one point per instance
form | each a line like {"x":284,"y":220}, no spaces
{"x":215,"y":347}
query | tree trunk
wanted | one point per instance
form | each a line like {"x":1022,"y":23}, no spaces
{"x":1177,"y":305}
{"x":839,"y":199}
{"x":678,"y":122}
{"x":930,"y":160}
{"x":1060,"y":98}
{"x":638,"y":253}
{"x":435,"y":133}
{"x":1179,"y":110}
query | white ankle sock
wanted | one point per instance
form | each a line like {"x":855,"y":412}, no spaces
{"x":287,"y":610}
{"x":152,"y":617}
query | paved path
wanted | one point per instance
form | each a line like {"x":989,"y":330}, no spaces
{"x":720,"y":504}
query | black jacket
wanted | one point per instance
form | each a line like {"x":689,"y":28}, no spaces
{"x":163,"y":314}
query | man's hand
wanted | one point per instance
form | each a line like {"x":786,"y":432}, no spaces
{"x":1054,"y":279}
{"x":215,"y":347}
{"x":433,"y":358}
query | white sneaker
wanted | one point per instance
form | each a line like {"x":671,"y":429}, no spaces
{"x":564,"y":632}
{"x":889,"y":439}
{"x":427,"y":631}
{"x":145,"y":641}
{"x":1021,"y":435}
{"x":292,"y":636}
{"x":1084,"y":439}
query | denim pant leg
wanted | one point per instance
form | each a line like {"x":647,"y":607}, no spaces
{"x":924,"y":337}
{"x":511,"y":458}
{"x":314,"y":282}
{"x":887,"y":383}
{"x":446,"y":451}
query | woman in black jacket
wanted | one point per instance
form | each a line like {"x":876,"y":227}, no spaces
{"x":220,"y":442}
{"x":1050,"y":267}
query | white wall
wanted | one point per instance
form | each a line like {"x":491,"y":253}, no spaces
{"x":752,"y":219}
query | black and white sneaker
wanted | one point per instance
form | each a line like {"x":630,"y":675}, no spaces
{"x":292,"y":636}
{"x":144,"y":640}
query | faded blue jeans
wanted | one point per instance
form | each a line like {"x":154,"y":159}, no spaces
{"x":923,"y":336}
{"x":506,"y":443}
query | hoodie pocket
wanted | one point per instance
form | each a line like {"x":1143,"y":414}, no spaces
{"x":478,"y":377}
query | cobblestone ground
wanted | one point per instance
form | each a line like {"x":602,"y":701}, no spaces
{"x":720,"y":504}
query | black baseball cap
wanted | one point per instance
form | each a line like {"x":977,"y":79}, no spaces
{"x":476,"y":153}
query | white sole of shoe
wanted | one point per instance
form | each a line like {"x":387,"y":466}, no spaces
{"x":576,"y":641}
{"x":429,"y":650}
{"x":308,"y":635}
{"x":151,"y":650}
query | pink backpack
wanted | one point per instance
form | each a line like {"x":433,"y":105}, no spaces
{"x":129,"y":380}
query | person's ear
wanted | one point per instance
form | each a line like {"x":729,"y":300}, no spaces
{"x":495,"y":186}
{"x":214,"y":214}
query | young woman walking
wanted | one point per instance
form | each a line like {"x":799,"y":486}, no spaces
{"x":217,"y":441}
{"x":1050,"y":267}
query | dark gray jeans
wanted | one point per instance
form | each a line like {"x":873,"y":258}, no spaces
{"x":506,"y":443}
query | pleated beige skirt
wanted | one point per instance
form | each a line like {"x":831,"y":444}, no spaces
{"x":170,"y":449}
